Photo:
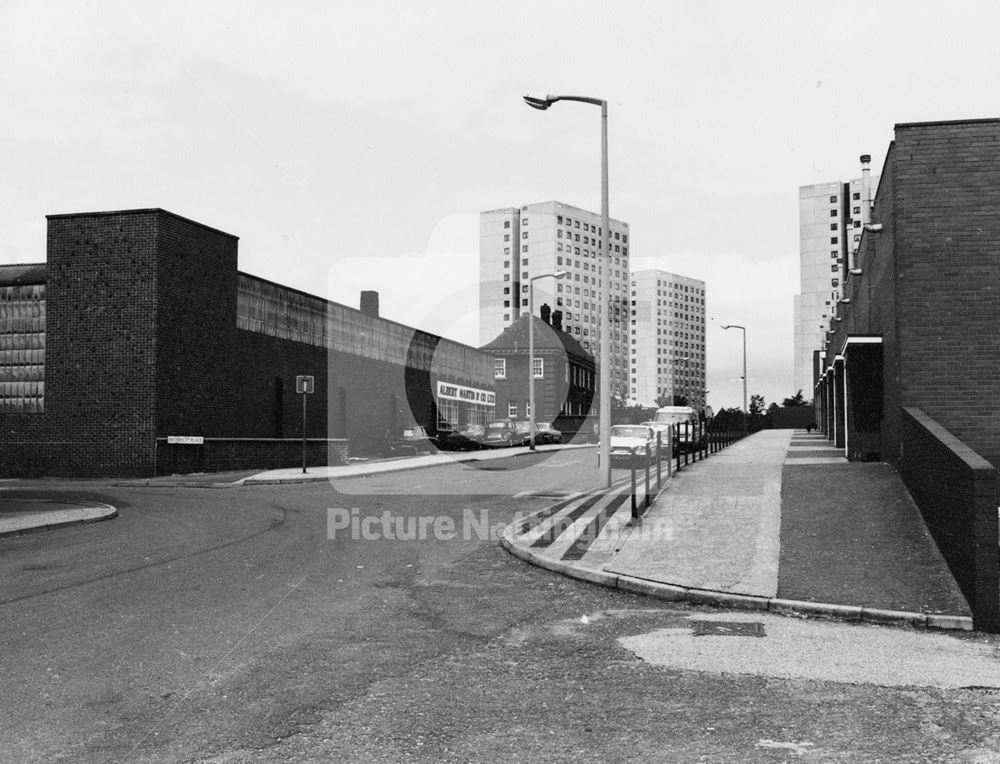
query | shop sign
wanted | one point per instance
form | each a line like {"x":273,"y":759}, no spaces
{"x":452,"y":392}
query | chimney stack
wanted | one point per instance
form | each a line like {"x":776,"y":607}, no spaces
{"x":545,"y":311}
{"x":557,"y":320}
{"x":369,"y":303}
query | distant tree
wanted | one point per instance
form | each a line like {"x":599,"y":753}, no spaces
{"x":680,"y":400}
{"x":795,"y":400}
{"x":771,"y":409}
{"x":757,"y":404}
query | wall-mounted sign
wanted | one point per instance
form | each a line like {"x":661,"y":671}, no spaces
{"x":188,"y":440}
{"x":304,"y":383}
{"x":454,"y":392}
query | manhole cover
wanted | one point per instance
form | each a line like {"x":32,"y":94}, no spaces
{"x":727,"y":629}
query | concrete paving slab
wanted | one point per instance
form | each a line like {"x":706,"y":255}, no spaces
{"x":717,"y":526}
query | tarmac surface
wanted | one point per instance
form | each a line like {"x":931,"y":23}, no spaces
{"x":778,"y":521}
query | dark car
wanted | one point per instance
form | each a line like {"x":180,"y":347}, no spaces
{"x":467,"y":438}
{"x":500,"y":433}
{"x":410,"y":440}
{"x":546,"y":433}
{"x":523,"y":427}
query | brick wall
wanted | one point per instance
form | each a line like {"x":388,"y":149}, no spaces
{"x":142,"y":343}
{"x":955,"y":489}
{"x":947,"y":191}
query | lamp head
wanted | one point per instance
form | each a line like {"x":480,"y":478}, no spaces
{"x":538,"y":103}
{"x":560,"y":274}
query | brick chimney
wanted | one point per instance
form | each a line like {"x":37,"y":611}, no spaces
{"x":369,"y":303}
{"x":557,"y":320}
{"x":545,"y":311}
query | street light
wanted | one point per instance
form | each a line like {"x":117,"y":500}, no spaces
{"x":742,"y":329}
{"x":604,"y":422}
{"x":531,"y":350}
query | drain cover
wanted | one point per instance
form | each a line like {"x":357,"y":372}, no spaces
{"x":727,"y":628}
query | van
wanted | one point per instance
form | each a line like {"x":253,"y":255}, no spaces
{"x":689,"y":437}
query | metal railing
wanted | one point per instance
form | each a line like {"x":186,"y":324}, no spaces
{"x":700,"y":441}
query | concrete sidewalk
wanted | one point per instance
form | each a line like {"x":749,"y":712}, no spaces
{"x":777,"y":521}
{"x":21,"y":515}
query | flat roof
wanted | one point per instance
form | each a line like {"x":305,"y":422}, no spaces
{"x":985,"y":120}
{"x":145,"y":211}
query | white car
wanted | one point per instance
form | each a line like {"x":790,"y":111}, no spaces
{"x":630,"y":441}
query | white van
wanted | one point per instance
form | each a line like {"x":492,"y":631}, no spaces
{"x":685,"y":422}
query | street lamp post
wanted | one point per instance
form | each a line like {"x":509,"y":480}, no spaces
{"x":531,"y":351}
{"x":604,"y":402}
{"x":742,"y":329}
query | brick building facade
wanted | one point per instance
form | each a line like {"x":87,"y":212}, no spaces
{"x":910,"y":370}
{"x":140,"y":327}
{"x":565,"y":373}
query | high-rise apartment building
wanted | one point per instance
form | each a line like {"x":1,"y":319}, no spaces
{"x":667,"y":338}
{"x":830,"y":228}
{"x":519,"y":243}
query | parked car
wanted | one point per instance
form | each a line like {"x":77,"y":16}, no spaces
{"x":500,"y":433}
{"x":410,"y":440}
{"x":629,"y":443}
{"x":546,"y":433}
{"x":664,"y":433}
{"x":466,"y":438}
{"x":523,"y":427}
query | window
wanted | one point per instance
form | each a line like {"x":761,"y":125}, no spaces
{"x":524,"y":248}
{"x":500,"y":368}
{"x":524,"y":303}
{"x":833,"y":268}
{"x":833,"y":226}
{"x":524,"y":221}
{"x":834,"y":254}
{"x":857,"y":210}
{"x":538,"y":367}
{"x":856,"y":196}
{"x":512,"y":409}
{"x":506,"y":237}
{"x":524,"y":234}
{"x":833,"y":200}
{"x":833,"y":239}
{"x":506,"y":224}
{"x":833,"y":213}
{"x":506,"y":290}
{"x":506,"y":263}
{"x":506,"y":250}
{"x":506,"y":277}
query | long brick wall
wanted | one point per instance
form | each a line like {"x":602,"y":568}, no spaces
{"x":143,"y":342}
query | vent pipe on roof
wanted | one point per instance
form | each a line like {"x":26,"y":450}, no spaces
{"x":866,"y":189}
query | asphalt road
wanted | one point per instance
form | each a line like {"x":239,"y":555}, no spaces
{"x":251,"y":624}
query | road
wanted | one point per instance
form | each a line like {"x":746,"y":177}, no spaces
{"x":252,"y":625}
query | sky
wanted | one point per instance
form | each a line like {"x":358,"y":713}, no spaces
{"x":352,"y":145}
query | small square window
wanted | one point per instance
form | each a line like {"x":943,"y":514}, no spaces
{"x":833,"y":226}
{"x":833,"y":200}
{"x":506,"y":224}
{"x":833,"y":213}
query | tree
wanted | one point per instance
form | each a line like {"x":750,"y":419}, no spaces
{"x":795,"y":400}
{"x":757,"y":404}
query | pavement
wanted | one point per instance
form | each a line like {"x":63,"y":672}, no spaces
{"x":778,"y":521}
{"x":20,"y":515}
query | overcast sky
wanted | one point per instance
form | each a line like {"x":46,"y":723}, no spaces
{"x":351,"y":145}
